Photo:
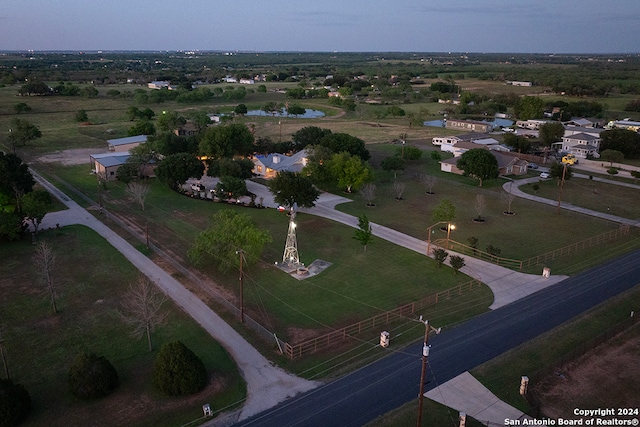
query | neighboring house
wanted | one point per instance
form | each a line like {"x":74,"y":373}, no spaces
{"x":161,"y":84}
{"x":508,"y":164}
{"x":125,"y":144}
{"x":582,"y":122}
{"x":105,"y":165}
{"x":580,"y":145}
{"x":523,"y":84}
{"x":247,"y":81}
{"x":469,"y":125}
{"x":464,"y":142}
{"x":268,"y":166}
{"x":624,"y":124}
{"x":188,"y":129}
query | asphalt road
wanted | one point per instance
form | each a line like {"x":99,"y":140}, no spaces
{"x":361,"y":396}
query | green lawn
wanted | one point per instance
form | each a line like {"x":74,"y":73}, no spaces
{"x":40,"y":345}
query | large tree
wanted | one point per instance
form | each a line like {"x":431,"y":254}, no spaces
{"x":479,"y":163}
{"x":517,"y":142}
{"x":529,"y":107}
{"x":238,"y":168}
{"x":177,"y":168}
{"x":15,"y":178}
{"x":317,"y":168}
{"x":551,"y":132}
{"x":350,"y":171}
{"x":35,"y":206}
{"x":22,"y":131}
{"x":229,"y":233}
{"x":169,"y":121}
{"x":226,"y":141}
{"x":289,"y":188}
{"x":393,"y":164}
{"x":626,"y":141}
{"x":340,"y":142}
{"x":309,"y":135}
{"x":231,"y":187}
{"x":612,"y":156}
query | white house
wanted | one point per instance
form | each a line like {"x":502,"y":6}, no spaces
{"x":268,"y":166}
{"x":581,"y":145}
{"x":159,"y":84}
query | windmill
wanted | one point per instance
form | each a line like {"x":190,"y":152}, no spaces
{"x":290,"y":256}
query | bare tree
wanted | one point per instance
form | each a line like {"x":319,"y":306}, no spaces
{"x":138,"y":191}
{"x":398,"y":189}
{"x":508,"y":196}
{"x":44,"y":260}
{"x":481,"y":206}
{"x":429,"y":181}
{"x":368,"y":193}
{"x":141,"y":308}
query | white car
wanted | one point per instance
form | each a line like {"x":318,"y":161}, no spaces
{"x":545,"y":175}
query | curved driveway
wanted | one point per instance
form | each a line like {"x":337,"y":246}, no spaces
{"x":268,"y":385}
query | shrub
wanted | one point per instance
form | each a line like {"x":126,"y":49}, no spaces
{"x":177,"y":371}
{"x":92,"y":377}
{"x":15,"y":403}
{"x":440,"y":255}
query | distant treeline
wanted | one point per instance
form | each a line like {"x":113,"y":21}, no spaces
{"x":577,"y":75}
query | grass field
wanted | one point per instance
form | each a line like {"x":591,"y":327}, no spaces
{"x":39,"y":345}
{"x":357,"y":284}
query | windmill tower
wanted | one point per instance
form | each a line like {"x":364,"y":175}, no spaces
{"x":290,"y":256}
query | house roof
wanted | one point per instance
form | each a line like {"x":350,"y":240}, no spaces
{"x":128,"y":140}
{"x":111,"y":159}
{"x":582,"y":137}
{"x":471,"y":136}
{"x":280,"y":162}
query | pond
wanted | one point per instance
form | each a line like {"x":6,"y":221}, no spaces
{"x":308,"y":114}
{"x":496,"y":122}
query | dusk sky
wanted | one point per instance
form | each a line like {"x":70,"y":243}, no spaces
{"x":539,"y":26}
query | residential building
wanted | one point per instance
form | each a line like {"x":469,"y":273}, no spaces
{"x":105,"y":165}
{"x":469,"y":125}
{"x":580,"y":145}
{"x":268,"y":166}
{"x":125,"y":144}
{"x":508,"y":164}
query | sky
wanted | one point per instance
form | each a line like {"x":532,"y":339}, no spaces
{"x":514,"y":26}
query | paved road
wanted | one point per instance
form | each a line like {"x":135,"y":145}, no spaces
{"x":385,"y":385}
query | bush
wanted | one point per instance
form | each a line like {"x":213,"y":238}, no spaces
{"x":15,"y":403}
{"x":177,"y":371}
{"x":92,"y":377}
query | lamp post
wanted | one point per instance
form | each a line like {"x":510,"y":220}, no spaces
{"x":449,"y":228}
{"x":425,"y":355}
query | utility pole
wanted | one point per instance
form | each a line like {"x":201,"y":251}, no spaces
{"x":240,"y":252}
{"x":564,"y":171}
{"x":425,"y":355}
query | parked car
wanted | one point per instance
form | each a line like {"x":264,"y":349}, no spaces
{"x":544,"y":175}
{"x":532,"y":166}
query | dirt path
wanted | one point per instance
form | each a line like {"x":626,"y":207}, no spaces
{"x":76,"y":156}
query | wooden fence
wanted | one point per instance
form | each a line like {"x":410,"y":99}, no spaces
{"x":327,"y":340}
{"x":622,"y":230}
